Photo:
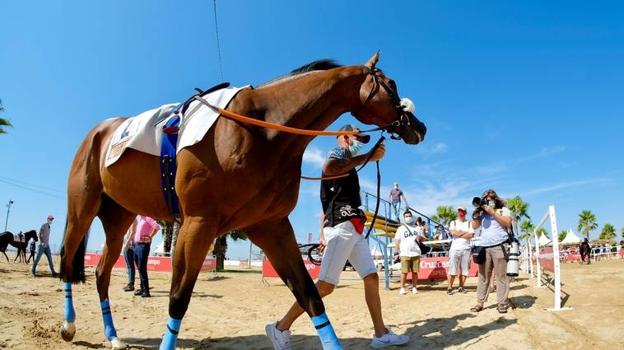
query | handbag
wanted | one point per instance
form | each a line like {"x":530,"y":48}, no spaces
{"x":478,"y":254}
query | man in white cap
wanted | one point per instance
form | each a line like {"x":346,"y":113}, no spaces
{"x":44,"y":247}
{"x":459,"y":254}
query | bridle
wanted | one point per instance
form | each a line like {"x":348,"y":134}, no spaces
{"x":402,"y":119}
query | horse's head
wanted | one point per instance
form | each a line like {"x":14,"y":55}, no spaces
{"x":381,"y":105}
{"x":32,"y":234}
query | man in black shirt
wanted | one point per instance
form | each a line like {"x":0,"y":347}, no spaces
{"x":342,"y":224}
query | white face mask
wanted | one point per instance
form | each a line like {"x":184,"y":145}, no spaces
{"x":355,"y":147}
{"x":409,"y":220}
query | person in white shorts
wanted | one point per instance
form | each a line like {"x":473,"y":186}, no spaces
{"x":341,"y":237}
{"x":459,"y":254}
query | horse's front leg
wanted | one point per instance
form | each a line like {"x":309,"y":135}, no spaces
{"x":277,"y":240}
{"x":195,"y":237}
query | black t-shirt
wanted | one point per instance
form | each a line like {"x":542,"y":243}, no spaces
{"x":341,"y":197}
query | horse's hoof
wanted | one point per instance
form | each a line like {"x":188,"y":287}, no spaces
{"x":68,"y":330}
{"x":117,"y":344}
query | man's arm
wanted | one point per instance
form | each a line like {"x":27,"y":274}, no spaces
{"x":335,"y":166}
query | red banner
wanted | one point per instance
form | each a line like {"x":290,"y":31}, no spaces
{"x":437,"y":269}
{"x":154,"y":263}
{"x":269,"y":271}
{"x":546,"y":259}
{"x":430,"y":269}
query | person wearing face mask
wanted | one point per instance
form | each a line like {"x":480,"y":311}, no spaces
{"x":44,"y":247}
{"x":342,"y":225}
{"x":492,"y":219}
{"x":406,"y":243}
{"x":459,"y":254}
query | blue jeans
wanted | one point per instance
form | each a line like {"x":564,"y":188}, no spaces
{"x":43,"y":249}
{"x":129,"y":256}
{"x":141,"y":252}
{"x":396,"y":207}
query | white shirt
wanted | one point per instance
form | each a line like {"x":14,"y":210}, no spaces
{"x":406,"y":235}
{"x":460,"y":243}
{"x":492,"y":233}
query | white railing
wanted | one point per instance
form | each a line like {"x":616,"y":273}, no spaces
{"x":556,"y":264}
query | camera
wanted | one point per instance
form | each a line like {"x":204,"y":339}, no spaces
{"x":478,"y":202}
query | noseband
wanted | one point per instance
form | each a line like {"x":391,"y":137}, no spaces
{"x":402,"y":119}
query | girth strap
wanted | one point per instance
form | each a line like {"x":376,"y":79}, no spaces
{"x":168,"y":165}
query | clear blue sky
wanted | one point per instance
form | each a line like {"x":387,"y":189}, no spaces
{"x":525,"y":97}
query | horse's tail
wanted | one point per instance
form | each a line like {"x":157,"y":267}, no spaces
{"x":78,"y":266}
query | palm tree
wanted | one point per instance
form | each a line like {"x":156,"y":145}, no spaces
{"x":444,"y":215}
{"x":562,"y":235}
{"x":519,"y":209}
{"x":526,"y":228}
{"x":220,"y":246}
{"x":542,"y":231}
{"x":587,"y":222}
{"x":3,"y":122}
{"x":608,"y":232}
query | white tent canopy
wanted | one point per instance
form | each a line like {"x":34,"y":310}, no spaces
{"x":543,"y":240}
{"x":571,"y":238}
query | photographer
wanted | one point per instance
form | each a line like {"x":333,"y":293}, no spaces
{"x":493,"y":220}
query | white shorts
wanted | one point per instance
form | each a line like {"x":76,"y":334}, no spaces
{"x":343,"y":243}
{"x":457,"y":258}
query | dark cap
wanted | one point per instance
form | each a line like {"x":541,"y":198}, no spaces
{"x":361,"y":137}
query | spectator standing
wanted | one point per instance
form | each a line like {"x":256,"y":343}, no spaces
{"x":493,"y":221}
{"x":146,"y":229}
{"x":395,"y":200}
{"x":459,"y":254}
{"x":44,"y":247}
{"x":128,"y":253}
{"x":406,"y":241}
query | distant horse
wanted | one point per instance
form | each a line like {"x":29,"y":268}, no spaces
{"x":7,"y":238}
{"x":237,"y":177}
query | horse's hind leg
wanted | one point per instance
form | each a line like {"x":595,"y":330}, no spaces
{"x":82,"y":207}
{"x":116,"y":220}
{"x":195,"y":237}
{"x":277,"y":240}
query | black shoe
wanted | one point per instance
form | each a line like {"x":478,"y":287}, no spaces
{"x":449,"y":291}
{"x":138,"y":292}
{"x":146,"y":295}
{"x":128,"y":288}
{"x":462,"y":290}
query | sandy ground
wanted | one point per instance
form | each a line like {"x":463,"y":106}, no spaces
{"x":229,"y":311}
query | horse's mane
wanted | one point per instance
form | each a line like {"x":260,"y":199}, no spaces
{"x":318,"y":65}
{"x":323,"y":64}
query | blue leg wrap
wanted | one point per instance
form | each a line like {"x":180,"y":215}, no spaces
{"x":109,"y":327}
{"x":171,"y":334}
{"x":70,"y":314}
{"x":329,"y":340}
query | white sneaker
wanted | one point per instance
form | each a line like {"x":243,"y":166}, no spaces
{"x":402,"y":291}
{"x":414,"y":290}
{"x":389,"y":339}
{"x":279,"y":339}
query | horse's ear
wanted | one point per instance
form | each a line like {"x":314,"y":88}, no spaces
{"x":372,"y":62}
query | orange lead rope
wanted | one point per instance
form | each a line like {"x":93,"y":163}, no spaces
{"x":288,"y":129}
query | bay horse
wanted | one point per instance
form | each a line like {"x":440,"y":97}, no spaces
{"x":237,"y":177}
{"x":7,"y":238}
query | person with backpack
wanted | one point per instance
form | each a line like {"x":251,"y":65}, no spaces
{"x":406,"y":241}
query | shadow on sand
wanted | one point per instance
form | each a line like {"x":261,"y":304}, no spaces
{"x":433,"y":333}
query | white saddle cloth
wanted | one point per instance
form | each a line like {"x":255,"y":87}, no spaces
{"x":144,"y":131}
